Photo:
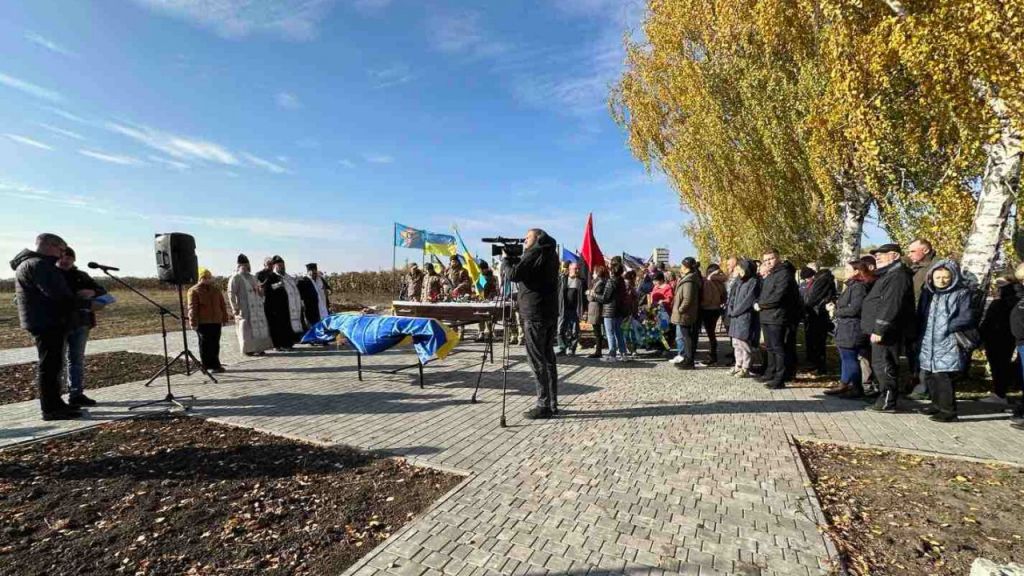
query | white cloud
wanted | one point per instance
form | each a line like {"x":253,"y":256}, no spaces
{"x":379,"y":159}
{"x":265,"y":164}
{"x":279,"y":228}
{"x":287,"y":100}
{"x":168,"y":162}
{"x":111,"y":158}
{"x":290,"y":19}
{"x":392,"y":75}
{"x":61,"y":131}
{"x":462,"y":33}
{"x":347,"y":163}
{"x":179,"y":147}
{"x":48,"y":44}
{"x":30,"y":88}
{"x":20,"y":191}
{"x":68,"y":115}
{"x":28,"y":141}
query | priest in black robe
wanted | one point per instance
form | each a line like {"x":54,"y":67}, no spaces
{"x":275,"y":304}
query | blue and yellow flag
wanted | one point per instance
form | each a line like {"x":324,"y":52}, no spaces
{"x":407,"y":237}
{"x":440,"y":244}
{"x":471,"y":265}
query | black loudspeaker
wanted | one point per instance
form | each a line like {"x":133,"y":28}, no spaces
{"x":176,"y":261}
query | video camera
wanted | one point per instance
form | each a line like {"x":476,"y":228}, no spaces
{"x":510,"y":248}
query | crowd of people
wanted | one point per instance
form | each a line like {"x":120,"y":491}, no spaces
{"x":886,"y":308}
{"x":57,"y":303}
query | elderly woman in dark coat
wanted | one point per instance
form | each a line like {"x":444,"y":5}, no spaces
{"x":851,"y":341}
{"x":744,"y":324}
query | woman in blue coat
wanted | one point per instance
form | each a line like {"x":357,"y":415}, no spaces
{"x":744,"y":326}
{"x":944,"y":310}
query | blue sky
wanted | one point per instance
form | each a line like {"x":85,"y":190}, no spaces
{"x":306,"y":128}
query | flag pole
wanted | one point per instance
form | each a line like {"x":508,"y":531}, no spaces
{"x":394,"y":256}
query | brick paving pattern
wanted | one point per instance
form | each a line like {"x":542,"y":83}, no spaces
{"x":649,"y":470}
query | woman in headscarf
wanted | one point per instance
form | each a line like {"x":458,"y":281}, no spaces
{"x":744,"y":325}
{"x":207,"y":312}
{"x":247,"y":307}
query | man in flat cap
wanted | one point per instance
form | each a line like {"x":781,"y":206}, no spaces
{"x":887,"y":315}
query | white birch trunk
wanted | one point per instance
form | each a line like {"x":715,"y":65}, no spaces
{"x":999,"y":188}
{"x":856,"y":204}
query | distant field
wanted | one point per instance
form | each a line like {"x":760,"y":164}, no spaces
{"x":132,"y":315}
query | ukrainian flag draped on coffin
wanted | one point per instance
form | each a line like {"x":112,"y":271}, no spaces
{"x":374,"y":334}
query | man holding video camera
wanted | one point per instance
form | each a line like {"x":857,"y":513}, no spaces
{"x":536,"y":274}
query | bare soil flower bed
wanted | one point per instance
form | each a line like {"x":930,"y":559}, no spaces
{"x":897,"y":513}
{"x":180,"y":495}
{"x":18,"y":381}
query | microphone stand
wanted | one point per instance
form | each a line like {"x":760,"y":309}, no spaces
{"x":170,"y":398}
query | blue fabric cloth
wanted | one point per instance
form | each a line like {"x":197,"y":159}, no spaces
{"x":849,"y":362}
{"x":75,"y":365}
{"x":374,"y":334}
{"x":569,"y":256}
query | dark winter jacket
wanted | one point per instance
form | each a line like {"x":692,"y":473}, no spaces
{"x":45,"y":301}
{"x":77,"y":281}
{"x":780,"y":300}
{"x":995,"y":324}
{"x":594,"y":302}
{"x":564,"y":293}
{"x":744,"y":321}
{"x":941,"y":314}
{"x":848,"y":311}
{"x":536,"y":275}
{"x":888,"y":309}
{"x":686,"y":300}
{"x":920,"y":271}
{"x":612,"y":298}
{"x":821,"y":292}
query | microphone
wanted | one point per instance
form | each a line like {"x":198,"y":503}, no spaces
{"x":502,"y":240}
{"x":94,"y":266}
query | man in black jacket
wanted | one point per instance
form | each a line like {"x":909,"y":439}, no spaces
{"x":572,"y":289}
{"x":819,"y":294}
{"x":887,"y":315}
{"x":46,"y":306}
{"x":536,"y":274}
{"x":778,"y":305}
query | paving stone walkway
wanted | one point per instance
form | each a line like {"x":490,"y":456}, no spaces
{"x":649,"y":470}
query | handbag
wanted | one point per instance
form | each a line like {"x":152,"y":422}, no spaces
{"x":968,"y":340}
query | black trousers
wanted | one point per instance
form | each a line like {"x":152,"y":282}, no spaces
{"x":709,"y":320}
{"x":50,"y":348}
{"x":941,"y":385}
{"x":1006,"y":374}
{"x":789,"y":345}
{"x":885,"y":363}
{"x":598,"y":324}
{"x":775,"y":358}
{"x":209,"y":345}
{"x":540,"y":350}
{"x":816,"y":339}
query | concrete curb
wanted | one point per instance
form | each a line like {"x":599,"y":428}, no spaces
{"x":835,"y":557}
